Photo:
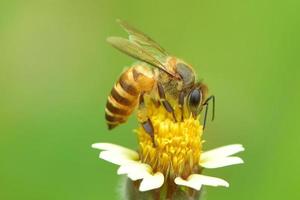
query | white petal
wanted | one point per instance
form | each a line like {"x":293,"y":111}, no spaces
{"x":107,"y":146}
{"x":196,"y":181}
{"x":151,"y":182}
{"x":118,"y":158}
{"x":135,"y":170}
{"x":114,"y":148}
{"x":221,"y":162}
{"x":188,"y":183}
{"x":138,"y":170}
{"x":222,"y":151}
{"x":127,"y":168}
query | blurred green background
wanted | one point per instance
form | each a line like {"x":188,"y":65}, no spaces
{"x":56,"y":71}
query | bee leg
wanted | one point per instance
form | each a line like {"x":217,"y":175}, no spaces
{"x":148,"y":127}
{"x":156,"y":103}
{"x":143,"y":118}
{"x":165,"y":103}
{"x":181,"y":103}
{"x":206,"y":104}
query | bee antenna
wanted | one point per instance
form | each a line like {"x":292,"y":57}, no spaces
{"x":206,"y":103}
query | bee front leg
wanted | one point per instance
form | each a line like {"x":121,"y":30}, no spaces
{"x":181,"y":103}
{"x":166,"y":104}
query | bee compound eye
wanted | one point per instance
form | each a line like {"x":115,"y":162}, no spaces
{"x":195,"y":98}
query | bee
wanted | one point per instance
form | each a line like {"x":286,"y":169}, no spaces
{"x":158,"y":76}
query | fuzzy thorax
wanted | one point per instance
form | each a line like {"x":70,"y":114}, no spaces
{"x":177,"y":145}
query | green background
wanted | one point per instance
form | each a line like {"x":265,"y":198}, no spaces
{"x":57,"y":70}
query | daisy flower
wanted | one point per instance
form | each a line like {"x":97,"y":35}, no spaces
{"x":174,"y":159}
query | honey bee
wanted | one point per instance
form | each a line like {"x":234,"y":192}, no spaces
{"x":158,"y":76}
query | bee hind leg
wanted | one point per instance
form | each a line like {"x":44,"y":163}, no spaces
{"x":148,"y":127}
{"x":144,"y":119}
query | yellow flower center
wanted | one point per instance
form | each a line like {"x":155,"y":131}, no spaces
{"x":177,"y":145}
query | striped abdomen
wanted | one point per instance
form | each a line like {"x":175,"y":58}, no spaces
{"x":125,"y":94}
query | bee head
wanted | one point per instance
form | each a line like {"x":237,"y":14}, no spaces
{"x":196,"y":98}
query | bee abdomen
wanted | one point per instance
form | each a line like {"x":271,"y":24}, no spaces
{"x":119,"y":106}
{"x":124,"y":96}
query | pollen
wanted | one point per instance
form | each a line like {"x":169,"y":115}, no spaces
{"x":177,"y":146}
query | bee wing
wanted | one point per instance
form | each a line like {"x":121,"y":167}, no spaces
{"x":133,"y":50}
{"x":141,"y":38}
{"x":136,"y":51}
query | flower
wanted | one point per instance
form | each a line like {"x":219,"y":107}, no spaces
{"x":131,"y":165}
{"x":173,"y":156}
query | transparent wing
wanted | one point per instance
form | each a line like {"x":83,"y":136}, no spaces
{"x":141,"y":38}
{"x":141,"y":47}
{"x":134,"y":50}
